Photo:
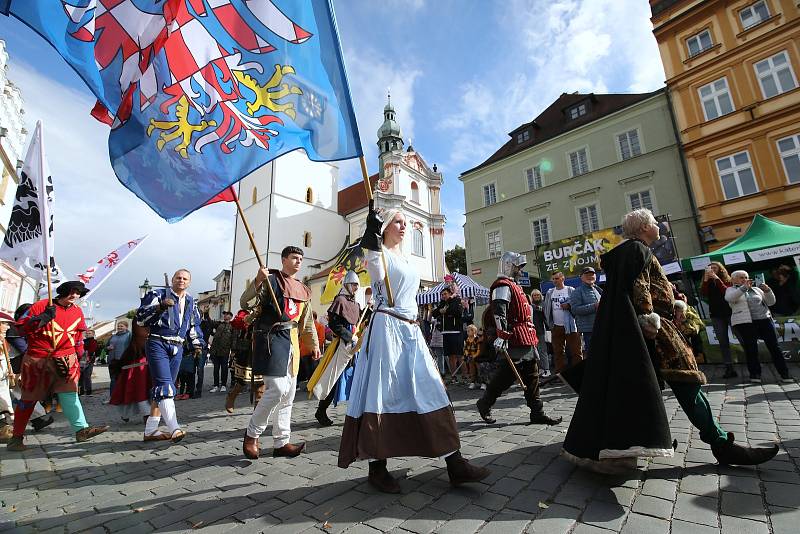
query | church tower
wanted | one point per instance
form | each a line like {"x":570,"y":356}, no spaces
{"x":390,"y":138}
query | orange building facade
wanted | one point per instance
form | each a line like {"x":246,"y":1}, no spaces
{"x":732,"y":71}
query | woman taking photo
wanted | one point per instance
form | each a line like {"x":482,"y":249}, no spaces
{"x":752,"y":321}
{"x":716,"y":281}
{"x":398,"y":404}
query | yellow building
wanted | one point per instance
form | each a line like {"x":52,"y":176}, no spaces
{"x":732,"y":72}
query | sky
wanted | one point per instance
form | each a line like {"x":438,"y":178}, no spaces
{"x":462,"y":74}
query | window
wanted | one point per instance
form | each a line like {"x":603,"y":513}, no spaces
{"x":699,"y":42}
{"x":414,"y":192}
{"x":310,"y":195}
{"x":255,"y":195}
{"x":754,"y":14}
{"x":494,"y":243}
{"x":577,"y":111}
{"x":775,"y":75}
{"x":589,"y":219}
{"x":540,"y":229}
{"x":419,"y":249}
{"x":489,"y":194}
{"x":629,"y":144}
{"x":523,"y":136}
{"x":307,"y":239}
{"x":534,"y":176}
{"x":579,"y":162}
{"x":716,"y":99}
{"x":736,"y":175}
{"x":641,"y":199}
{"x":789,"y":149}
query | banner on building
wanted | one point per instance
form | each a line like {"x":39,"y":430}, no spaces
{"x":102,"y":269}
{"x":572,"y":254}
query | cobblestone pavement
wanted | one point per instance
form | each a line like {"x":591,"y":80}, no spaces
{"x":117,"y":483}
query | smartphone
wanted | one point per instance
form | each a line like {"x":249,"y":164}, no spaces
{"x":759,"y":279}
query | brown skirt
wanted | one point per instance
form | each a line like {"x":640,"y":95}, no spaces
{"x":392,"y":435}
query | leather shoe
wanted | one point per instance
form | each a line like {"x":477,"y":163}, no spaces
{"x":543,"y":419}
{"x":15,"y":444}
{"x":250,"y":447}
{"x":290,"y":450}
{"x":381,"y":479}
{"x":41,"y":422}
{"x":460,"y":471}
{"x":485,"y":412}
{"x":89,"y":432}
{"x":730,"y":453}
{"x":323,"y":419}
{"x":156,"y":436}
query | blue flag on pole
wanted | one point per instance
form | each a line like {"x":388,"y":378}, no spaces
{"x":200,"y":93}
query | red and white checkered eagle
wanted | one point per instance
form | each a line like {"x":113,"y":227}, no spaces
{"x":129,"y":34}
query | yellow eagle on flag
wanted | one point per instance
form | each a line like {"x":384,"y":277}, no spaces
{"x":351,"y":259}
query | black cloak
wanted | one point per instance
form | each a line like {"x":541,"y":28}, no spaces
{"x":620,"y":410}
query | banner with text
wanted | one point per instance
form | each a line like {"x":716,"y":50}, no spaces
{"x":571,"y":255}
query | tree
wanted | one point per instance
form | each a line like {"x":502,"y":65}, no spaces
{"x":456,"y":259}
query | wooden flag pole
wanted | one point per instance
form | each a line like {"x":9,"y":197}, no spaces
{"x":365,"y":175}
{"x":278,"y":309}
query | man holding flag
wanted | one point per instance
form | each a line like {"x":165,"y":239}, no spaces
{"x":55,"y":342}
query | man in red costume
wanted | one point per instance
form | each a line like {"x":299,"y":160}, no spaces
{"x":508,"y":320}
{"x":55,"y":342}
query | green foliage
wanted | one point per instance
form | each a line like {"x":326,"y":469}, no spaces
{"x":456,"y":259}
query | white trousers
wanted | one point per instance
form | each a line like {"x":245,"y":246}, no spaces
{"x":275,"y":404}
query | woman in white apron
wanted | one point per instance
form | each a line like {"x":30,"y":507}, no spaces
{"x":398,"y":404}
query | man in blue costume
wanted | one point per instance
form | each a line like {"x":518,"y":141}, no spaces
{"x":172,"y":316}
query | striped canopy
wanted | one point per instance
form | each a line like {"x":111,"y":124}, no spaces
{"x":467,"y":288}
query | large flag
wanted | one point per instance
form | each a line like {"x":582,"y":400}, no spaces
{"x":26,"y":247}
{"x":351,"y":259}
{"x":102,"y":269}
{"x":200,"y":93}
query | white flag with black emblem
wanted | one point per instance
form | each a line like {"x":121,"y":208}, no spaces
{"x":26,"y":247}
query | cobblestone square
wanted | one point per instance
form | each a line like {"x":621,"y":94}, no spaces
{"x":117,"y":483}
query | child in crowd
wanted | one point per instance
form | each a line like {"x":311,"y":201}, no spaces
{"x":471,"y":350}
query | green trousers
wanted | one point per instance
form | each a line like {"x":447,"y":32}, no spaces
{"x":695,"y":404}
{"x":73,"y":410}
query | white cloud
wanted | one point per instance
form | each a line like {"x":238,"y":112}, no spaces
{"x":94,"y":213}
{"x":596,"y":46}
{"x":371,"y":77}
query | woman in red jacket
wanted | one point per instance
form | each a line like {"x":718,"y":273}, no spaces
{"x":715,"y":281}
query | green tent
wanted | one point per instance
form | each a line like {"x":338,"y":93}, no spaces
{"x":764,"y":239}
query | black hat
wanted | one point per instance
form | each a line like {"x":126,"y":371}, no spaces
{"x":587,"y":270}
{"x":68,"y":287}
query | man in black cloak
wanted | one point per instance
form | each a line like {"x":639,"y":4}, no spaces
{"x":635,"y":349}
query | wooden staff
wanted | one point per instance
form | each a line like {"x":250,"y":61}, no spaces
{"x":514,"y":368}
{"x":365,"y":175}
{"x":278,"y":309}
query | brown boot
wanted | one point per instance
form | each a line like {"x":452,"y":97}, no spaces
{"x":461,"y":471}
{"x":290,"y":450}
{"x":250,"y":447}
{"x":89,"y":432}
{"x":230,"y":399}
{"x":381,"y":479}
{"x":15,"y":444}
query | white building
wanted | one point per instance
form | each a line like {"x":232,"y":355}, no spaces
{"x":14,"y":288}
{"x":289,"y":201}
{"x":308,"y":210}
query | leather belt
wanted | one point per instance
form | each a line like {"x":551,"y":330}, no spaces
{"x":397,"y":316}
{"x":171,"y":341}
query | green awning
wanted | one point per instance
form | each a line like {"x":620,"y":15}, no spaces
{"x":762,"y":236}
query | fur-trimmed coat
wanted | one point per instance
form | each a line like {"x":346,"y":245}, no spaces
{"x":652,"y":292}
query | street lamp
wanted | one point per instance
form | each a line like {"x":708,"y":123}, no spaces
{"x":144,"y":288}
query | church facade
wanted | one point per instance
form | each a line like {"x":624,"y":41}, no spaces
{"x":295,"y":201}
